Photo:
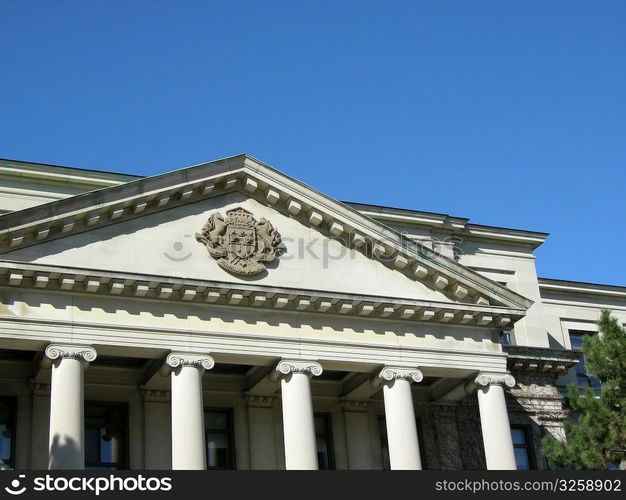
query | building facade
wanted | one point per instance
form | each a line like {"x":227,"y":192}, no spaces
{"x":227,"y":316}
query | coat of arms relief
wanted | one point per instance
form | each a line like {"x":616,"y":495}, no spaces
{"x":239,"y":243}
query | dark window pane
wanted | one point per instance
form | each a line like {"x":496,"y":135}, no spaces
{"x":216,"y":420}
{"x":106,"y":435}
{"x":323,"y":437}
{"x":576,"y":339}
{"x":217,"y":450}
{"x":220,"y":450}
{"x":518,"y":437}
{"x":521,"y":458}
{"x":522,"y":447}
{"x":7,"y":409}
{"x":92,"y":444}
{"x":384,"y":445}
{"x":583,"y":378}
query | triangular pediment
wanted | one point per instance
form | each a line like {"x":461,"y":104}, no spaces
{"x":148,"y":227}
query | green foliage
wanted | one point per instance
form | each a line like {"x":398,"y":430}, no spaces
{"x":596,"y":437}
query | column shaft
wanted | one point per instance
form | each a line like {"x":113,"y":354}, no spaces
{"x":298,"y":420}
{"x":496,"y":430}
{"x":67,"y":426}
{"x":188,"y":447}
{"x":402,"y":437}
{"x":188,"y":438}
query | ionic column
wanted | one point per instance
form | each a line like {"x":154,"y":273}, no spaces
{"x":359,"y":443}
{"x":298,"y":422}
{"x":404,"y":451}
{"x":188,"y":441}
{"x":494,"y":420}
{"x":261,"y":432}
{"x":67,"y":426}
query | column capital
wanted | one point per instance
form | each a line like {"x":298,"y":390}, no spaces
{"x":83,"y":353}
{"x":355,"y":406}
{"x":40,"y":388}
{"x":200,"y":361}
{"x":257,"y":401}
{"x":155,"y":395}
{"x":485,"y":379}
{"x":389,"y":373}
{"x":288,"y":366}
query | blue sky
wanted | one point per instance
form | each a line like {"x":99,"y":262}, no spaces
{"x":509,"y":113}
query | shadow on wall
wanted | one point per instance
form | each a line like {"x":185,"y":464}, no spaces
{"x":66,"y":455}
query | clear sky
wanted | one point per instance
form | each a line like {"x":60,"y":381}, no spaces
{"x":510,"y":113}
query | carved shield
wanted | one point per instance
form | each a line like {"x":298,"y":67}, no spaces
{"x":241,"y":241}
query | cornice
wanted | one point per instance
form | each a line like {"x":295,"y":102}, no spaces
{"x":451,"y":224}
{"x":245,"y":174}
{"x":576,"y":287}
{"x":150,"y":287}
{"x":539,"y":359}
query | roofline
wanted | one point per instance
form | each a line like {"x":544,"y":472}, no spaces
{"x":581,"y":287}
{"x":445,"y":221}
{"x":84,"y":211}
{"x":105,"y":172}
{"x":51,"y":175}
{"x":392,"y":214}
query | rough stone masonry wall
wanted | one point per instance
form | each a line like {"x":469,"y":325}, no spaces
{"x":534,"y":402}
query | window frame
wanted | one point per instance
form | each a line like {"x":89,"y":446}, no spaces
{"x":328,"y":436}
{"x":529,"y":447}
{"x":124,"y":464}
{"x":591,"y":381}
{"x":230,"y":433}
{"x":11,"y":402}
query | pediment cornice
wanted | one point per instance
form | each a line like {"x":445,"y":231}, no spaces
{"x":137,"y":286}
{"x":242,"y":173}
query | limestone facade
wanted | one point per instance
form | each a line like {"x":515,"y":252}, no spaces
{"x":139,"y":330}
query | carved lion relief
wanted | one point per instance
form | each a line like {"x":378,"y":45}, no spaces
{"x":239,"y":243}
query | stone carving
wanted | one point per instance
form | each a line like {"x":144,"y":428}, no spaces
{"x":85,"y":354}
{"x":390,"y":373}
{"x":259,"y":401}
{"x":200,"y":361}
{"x":486,"y":379}
{"x":239,"y":243}
{"x":355,"y":406}
{"x":286,"y":367}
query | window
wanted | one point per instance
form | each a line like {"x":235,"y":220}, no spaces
{"x":384,"y":442}
{"x":106,"y":435}
{"x":521,"y":445}
{"x":218,"y":429}
{"x":324,"y":439}
{"x":7,"y":433}
{"x":582,"y":376}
